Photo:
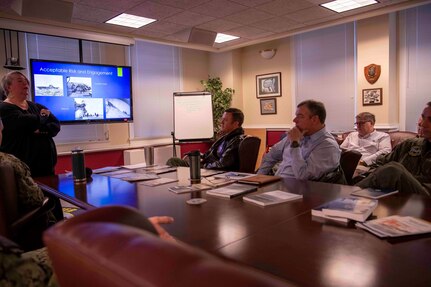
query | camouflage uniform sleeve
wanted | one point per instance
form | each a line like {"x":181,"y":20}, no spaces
{"x":20,"y":269}
{"x":398,"y":151}
{"x":29,"y":193}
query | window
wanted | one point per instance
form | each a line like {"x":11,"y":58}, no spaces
{"x":155,"y":79}
{"x":325,"y":71}
{"x":415,"y":60}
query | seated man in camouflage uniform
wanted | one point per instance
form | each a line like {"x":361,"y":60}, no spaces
{"x":408,"y":167}
{"x":18,"y":268}
{"x":24,"y":269}
{"x":34,"y":268}
{"x":30,"y":196}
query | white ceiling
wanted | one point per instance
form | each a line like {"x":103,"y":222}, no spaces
{"x":254,"y":21}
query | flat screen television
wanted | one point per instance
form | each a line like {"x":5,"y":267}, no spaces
{"x":83,"y":93}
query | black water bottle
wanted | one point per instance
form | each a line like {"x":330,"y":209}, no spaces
{"x":195,"y":166}
{"x":78,"y":166}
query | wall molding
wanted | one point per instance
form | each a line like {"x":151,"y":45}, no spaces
{"x":68,"y":32}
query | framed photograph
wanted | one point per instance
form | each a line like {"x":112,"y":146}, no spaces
{"x":268,"y":106}
{"x":372,"y":97}
{"x":268,"y":85}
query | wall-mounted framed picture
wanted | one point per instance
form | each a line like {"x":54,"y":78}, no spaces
{"x":268,"y":106}
{"x":268,"y":85}
{"x":372,"y":97}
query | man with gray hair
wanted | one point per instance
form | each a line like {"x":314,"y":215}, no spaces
{"x":408,"y":167}
{"x":308,"y":151}
{"x":366,"y":140}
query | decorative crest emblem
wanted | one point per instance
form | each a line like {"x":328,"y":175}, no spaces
{"x":372,"y":73}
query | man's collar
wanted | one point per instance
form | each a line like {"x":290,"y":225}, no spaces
{"x":318,"y":133}
{"x":237,"y":130}
{"x":367,"y":135}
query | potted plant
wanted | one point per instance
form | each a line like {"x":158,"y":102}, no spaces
{"x":221,"y":99}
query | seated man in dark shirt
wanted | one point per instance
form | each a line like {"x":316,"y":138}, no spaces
{"x":223,"y":154}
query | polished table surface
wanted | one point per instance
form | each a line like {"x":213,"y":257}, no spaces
{"x":313,"y":254}
{"x":282,"y":240}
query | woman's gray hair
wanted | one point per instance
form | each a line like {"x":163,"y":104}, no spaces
{"x":7,"y":81}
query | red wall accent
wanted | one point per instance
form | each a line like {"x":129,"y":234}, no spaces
{"x":273,"y":137}
{"x":93,"y":160}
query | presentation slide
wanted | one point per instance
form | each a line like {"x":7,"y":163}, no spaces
{"x":77,"y":92}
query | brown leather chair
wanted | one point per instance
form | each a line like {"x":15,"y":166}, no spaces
{"x":103,"y":248}
{"x":248,"y":152}
{"x":400,"y":136}
{"x":26,"y":230}
{"x":349,"y":161}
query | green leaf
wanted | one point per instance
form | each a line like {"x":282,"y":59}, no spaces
{"x":221,"y":99}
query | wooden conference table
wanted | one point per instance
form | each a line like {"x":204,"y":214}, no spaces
{"x":282,"y":240}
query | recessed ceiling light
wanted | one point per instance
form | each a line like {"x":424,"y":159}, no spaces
{"x":346,"y":5}
{"x":221,"y":38}
{"x":130,"y":21}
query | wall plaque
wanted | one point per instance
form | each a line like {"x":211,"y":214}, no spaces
{"x":372,"y":73}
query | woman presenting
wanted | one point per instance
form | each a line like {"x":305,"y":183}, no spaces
{"x":28,"y":127}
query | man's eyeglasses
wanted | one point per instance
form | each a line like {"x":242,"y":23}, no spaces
{"x":361,"y":123}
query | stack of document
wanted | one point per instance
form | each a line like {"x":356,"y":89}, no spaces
{"x":374,"y":193}
{"x":158,"y":181}
{"x":345,"y":208}
{"x":178,"y":189}
{"x":210,"y":172}
{"x":232,"y":190}
{"x":271,"y":197}
{"x":394,"y":226}
{"x":159,"y":169}
{"x":216,"y":182}
{"x":136,"y":166}
{"x":234,"y":175}
{"x":140,"y":177}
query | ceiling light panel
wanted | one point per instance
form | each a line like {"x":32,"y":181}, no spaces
{"x":221,"y":38}
{"x":346,"y":5}
{"x":129,"y":20}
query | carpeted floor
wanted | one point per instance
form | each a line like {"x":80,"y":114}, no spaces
{"x":70,"y":210}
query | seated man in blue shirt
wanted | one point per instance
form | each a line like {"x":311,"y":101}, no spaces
{"x":309,"y":151}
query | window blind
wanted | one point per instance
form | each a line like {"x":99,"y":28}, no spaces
{"x":325,"y":71}
{"x":415,"y":63}
{"x":155,"y":79}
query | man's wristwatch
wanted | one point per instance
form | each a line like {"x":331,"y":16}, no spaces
{"x":294,"y":144}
